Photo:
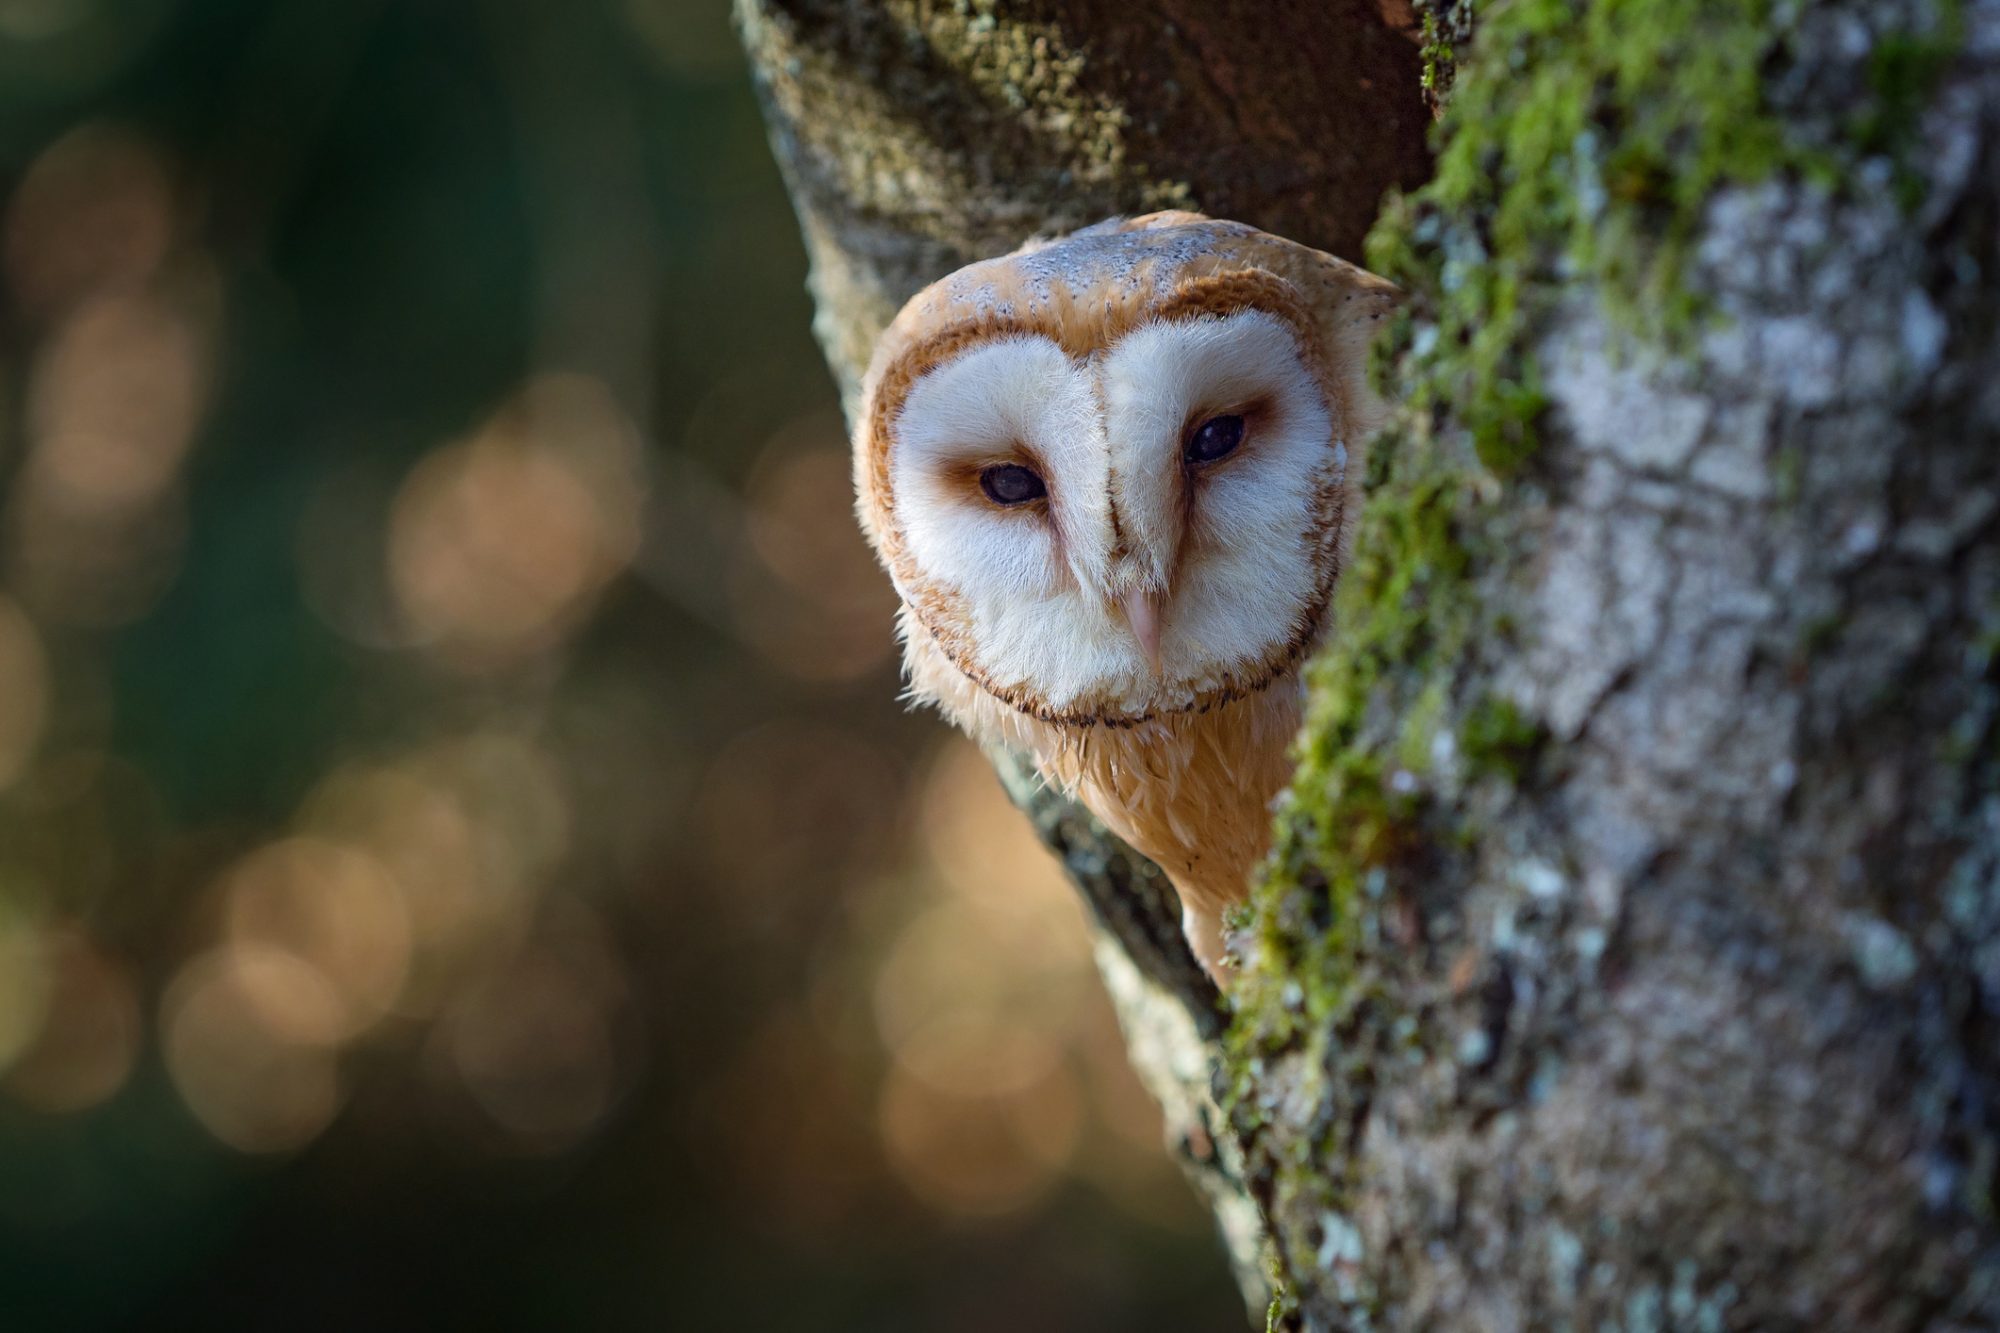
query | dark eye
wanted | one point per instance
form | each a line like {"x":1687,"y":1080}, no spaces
{"x":1011,"y":484}
{"x":1215,"y":438}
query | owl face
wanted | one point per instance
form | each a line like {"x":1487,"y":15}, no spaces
{"x":1109,"y":476}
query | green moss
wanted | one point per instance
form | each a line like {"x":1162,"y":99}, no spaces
{"x":1578,"y":147}
{"x":1310,"y":995}
{"x":1818,"y":634}
{"x":1279,"y":1306}
{"x":1902,"y":70}
{"x":1496,"y":739}
{"x":1788,"y":474}
{"x":1439,"y":59}
{"x":1577,"y":151}
{"x":1443,"y":23}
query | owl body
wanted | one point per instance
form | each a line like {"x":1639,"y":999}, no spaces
{"x":1111,"y":478}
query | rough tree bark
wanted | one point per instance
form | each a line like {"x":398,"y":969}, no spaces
{"x":1630,"y":955}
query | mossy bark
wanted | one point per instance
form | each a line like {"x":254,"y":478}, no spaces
{"x":1630,"y":956}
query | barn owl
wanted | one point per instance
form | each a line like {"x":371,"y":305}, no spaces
{"x":1111,"y":479}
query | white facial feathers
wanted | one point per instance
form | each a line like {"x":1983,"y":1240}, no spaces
{"x":1233,"y":548}
{"x":1015,"y":400}
{"x":1161,"y":382}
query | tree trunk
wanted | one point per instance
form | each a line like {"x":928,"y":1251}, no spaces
{"x":1630,"y":954}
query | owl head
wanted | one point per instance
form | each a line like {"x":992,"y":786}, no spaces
{"x":1110,"y":475}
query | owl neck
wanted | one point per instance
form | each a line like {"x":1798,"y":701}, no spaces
{"x":1190,"y":791}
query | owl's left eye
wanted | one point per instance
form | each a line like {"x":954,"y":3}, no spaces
{"x":1215,"y":438}
{"x":1011,"y":484}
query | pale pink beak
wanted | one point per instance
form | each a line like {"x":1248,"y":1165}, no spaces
{"x":1142,"y":612}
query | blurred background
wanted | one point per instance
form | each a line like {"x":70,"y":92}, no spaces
{"x":463,"y":862}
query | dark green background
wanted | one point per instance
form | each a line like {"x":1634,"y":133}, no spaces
{"x":410,"y":207}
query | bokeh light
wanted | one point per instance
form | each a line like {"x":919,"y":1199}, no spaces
{"x":94,"y":212}
{"x":248,"y":1035}
{"x":813,"y":602}
{"x":333,"y":908}
{"x":118,"y":382}
{"x":90,"y":1030}
{"x":24,"y":982}
{"x":497,"y":544}
{"x":460,"y":890}
{"x":112,"y":407}
{"x":534,"y":1042}
{"x":463,"y":857}
{"x":24,"y":691}
{"x":981,"y":1154}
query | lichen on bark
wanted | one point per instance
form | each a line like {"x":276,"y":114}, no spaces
{"x":1628,"y":290}
{"x":918,"y":136}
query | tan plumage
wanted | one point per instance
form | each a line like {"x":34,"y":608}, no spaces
{"x":1189,"y":397}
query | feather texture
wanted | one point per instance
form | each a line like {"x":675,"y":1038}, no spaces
{"x":1139,"y":625}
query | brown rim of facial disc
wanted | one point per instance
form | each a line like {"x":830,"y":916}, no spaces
{"x":1209,"y":296}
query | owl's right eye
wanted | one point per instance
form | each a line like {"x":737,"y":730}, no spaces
{"x":1011,"y":484}
{"x":1215,"y":439}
